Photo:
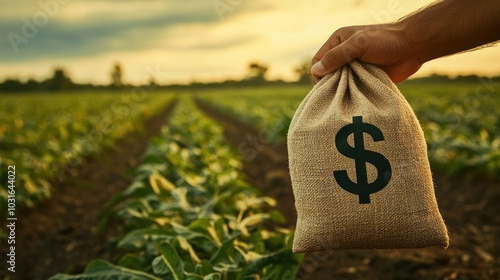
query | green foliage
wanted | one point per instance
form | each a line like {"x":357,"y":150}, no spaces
{"x":45,"y":135}
{"x":269,"y":110}
{"x":102,"y":270}
{"x":189,"y":216}
{"x":461,"y":122}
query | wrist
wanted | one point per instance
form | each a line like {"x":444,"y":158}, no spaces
{"x":415,"y":39}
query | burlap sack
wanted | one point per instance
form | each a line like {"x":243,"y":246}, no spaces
{"x":359,"y":167}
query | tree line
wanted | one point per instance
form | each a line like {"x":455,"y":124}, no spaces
{"x":60,"y":80}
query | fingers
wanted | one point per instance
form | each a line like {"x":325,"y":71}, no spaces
{"x":318,"y":67}
{"x":334,"y":53}
{"x":332,"y":42}
{"x":316,"y":71}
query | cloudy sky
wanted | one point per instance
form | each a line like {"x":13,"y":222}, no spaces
{"x":185,"y":40}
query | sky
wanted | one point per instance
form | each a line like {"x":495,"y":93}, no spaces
{"x":178,"y":41}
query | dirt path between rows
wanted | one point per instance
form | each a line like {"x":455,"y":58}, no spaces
{"x":59,"y":235}
{"x":265,"y":166}
{"x":470,"y":209}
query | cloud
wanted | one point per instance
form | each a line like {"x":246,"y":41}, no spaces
{"x":92,"y":27}
{"x":190,"y":38}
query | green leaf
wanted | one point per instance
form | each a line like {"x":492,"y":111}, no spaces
{"x":185,"y":245}
{"x":224,"y":253}
{"x":159,"y":267}
{"x":136,"y":238}
{"x":187,"y":232}
{"x":207,"y":209}
{"x":193,"y":276}
{"x":212,"y":276}
{"x":172,"y":260}
{"x":136,"y":189}
{"x":219,"y":229}
{"x":229,"y":271}
{"x":250,"y":221}
{"x":200,"y":225}
{"x":102,"y":270}
{"x":277,"y":217}
{"x":132,"y":262}
{"x":181,"y":195}
{"x":159,"y":183}
{"x":204,"y":268}
{"x":273,"y":258}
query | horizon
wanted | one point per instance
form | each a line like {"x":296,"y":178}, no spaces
{"x":242,"y":79}
{"x":202,"y":41}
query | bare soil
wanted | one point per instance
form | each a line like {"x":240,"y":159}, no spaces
{"x":470,"y":209}
{"x":60,"y":234}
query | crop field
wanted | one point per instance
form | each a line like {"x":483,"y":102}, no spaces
{"x":194,"y":184}
{"x":43,"y":134}
{"x":461,"y":122}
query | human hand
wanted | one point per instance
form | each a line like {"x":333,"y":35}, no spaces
{"x":383,"y":45}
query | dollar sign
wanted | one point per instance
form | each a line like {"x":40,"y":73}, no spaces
{"x":361,"y":156}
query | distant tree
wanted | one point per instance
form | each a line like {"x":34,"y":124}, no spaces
{"x":59,"y":81}
{"x":11,"y":85}
{"x":304,"y":72}
{"x":152,"y":81}
{"x":257,"y":72}
{"x":116,"y":76}
{"x":32,"y":85}
{"x":467,"y":78}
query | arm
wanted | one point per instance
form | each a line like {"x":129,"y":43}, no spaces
{"x":400,"y":48}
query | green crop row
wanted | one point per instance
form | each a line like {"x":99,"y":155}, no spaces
{"x":268,"y":109}
{"x":461,"y":124}
{"x":43,"y":134}
{"x":461,"y":121}
{"x":189,"y":215}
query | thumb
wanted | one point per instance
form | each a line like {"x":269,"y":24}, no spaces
{"x":336,"y":58}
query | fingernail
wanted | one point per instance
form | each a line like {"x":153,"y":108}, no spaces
{"x":318,"y":69}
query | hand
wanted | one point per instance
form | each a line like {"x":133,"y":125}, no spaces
{"x":383,"y":45}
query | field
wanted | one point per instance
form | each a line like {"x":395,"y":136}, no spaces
{"x":195,"y":185}
{"x":45,"y":135}
{"x":460,"y":122}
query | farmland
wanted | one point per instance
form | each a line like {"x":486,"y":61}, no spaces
{"x":43,"y":134}
{"x":460,"y":122}
{"x":190,"y":216}
{"x":198,"y":206}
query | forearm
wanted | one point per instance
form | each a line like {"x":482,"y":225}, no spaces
{"x":452,"y":26}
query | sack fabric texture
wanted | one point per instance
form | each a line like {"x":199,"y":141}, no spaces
{"x":359,"y":167}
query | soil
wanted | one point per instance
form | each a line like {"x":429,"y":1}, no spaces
{"x":470,"y":209}
{"x":60,"y":234}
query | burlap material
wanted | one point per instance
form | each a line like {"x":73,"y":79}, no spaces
{"x":359,"y":167}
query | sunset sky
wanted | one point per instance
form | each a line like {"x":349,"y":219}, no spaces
{"x":181,"y":41}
